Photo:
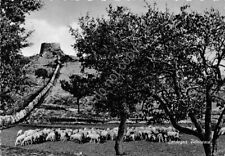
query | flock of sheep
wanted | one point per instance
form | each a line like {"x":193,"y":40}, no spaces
{"x":150,"y":133}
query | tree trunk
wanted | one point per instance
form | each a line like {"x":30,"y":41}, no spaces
{"x":208,"y":149}
{"x":121,"y":131}
{"x":214,"y":147}
{"x":78,"y":105}
{"x":208,"y":122}
{"x":7,"y":121}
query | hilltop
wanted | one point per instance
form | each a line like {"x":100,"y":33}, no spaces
{"x":57,"y":99}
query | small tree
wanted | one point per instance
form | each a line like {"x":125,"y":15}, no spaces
{"x":41,"y":73}
{"x":77,"y":86}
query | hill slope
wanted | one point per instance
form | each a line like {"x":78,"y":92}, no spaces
{"x":46,"y":60}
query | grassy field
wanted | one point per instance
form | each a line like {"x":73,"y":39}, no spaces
{"x":135,"y":148}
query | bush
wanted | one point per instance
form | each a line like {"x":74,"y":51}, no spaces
{"x":41,"y":73}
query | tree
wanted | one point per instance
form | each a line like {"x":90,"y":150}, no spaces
{"x":177,"y":59}
{"x":41,"y":73}
{"x":103,"y":46}
{"x":77,"y":86}
{"x":13,"y":37}
{"x":187,"y":59}
{"x":7,"y":121}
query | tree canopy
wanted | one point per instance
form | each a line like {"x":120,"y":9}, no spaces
{"x":13,"y":37}
{"x":78,"y":86}
{"x":109,"y":47}
{"x":107,"y":53}
{"x":177,"y":59}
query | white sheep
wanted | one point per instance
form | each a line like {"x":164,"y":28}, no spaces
{"x":104,"y":134}
{"x":172,"y":135}
{"x":222,"y":131}
{"x":94,"y":137}
{"x":151,"y":137}
{"x":77,"y":136}
{"x":51,"y":136}
{"x":127,"y":135}
{"x":112,"y":134}
{"x":149,"y":133}
{"x":85,"y":132}
{"x":38,"y":136}
{"x":132,"y":137}
{"x":165,"y":137}
{"x":19,"y":132}
{"x":29,"y":132}
{"x":160,"y":137}
{"x":46,"y":131}
{"x":69,"y":131}
{"x":19,"y":139}
{"x":75,"y":131}
{"x":28,"y":140}
{"x":63,"y":136}
{"x":171,"y":129}
{"x":138,"y":135}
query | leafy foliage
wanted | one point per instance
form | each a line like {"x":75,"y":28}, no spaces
{"x":178,"y":60}
{"x":13,"y":37}
{"x":78,"y":86}
{"x":187,"y":61}
{"x":41,"y":73}
{"x":103,"y":46}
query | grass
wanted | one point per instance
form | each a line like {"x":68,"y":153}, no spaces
{"x":135,"y":148}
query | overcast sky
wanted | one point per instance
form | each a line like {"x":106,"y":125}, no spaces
{"x":52,"y":21}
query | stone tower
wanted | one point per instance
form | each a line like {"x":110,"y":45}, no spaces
{"x":49,"y":50}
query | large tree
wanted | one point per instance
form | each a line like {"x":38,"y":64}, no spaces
{"x":13,"y":37}
{"x":177,"y":59}
{"x":187,"y":59}
{"x":103,"y":46}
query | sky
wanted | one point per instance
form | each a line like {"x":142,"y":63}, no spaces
{"x":51,"y":23}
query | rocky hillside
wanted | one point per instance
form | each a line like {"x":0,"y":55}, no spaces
{"x":46,"y":60}
{"x":57,"y":101}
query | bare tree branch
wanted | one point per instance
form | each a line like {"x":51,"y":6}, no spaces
{"x":174,"y":122}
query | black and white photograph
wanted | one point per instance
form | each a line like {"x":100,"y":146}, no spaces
{"x":112,"y":78}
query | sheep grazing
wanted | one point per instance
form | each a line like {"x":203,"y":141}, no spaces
{"x":75,"y":131}
{"x":64,"y":136}
{"x":94,"y":135}
{"x":112,"y":134}
{"x":104,"y":135}
{"x":29,"y":132}
{"x":69,"y":132}
{"x":28,"y":140}
{"x":222,"y":131}
{"x":173,"y":135}
{"x":160,"y":137}
{"x":39,"y":137}
{"x":77,"y":137}
{"x":132,"y":137}
{"x":19,"y":132}
{"x":19,"y":139}
{"x":51,"y":136}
